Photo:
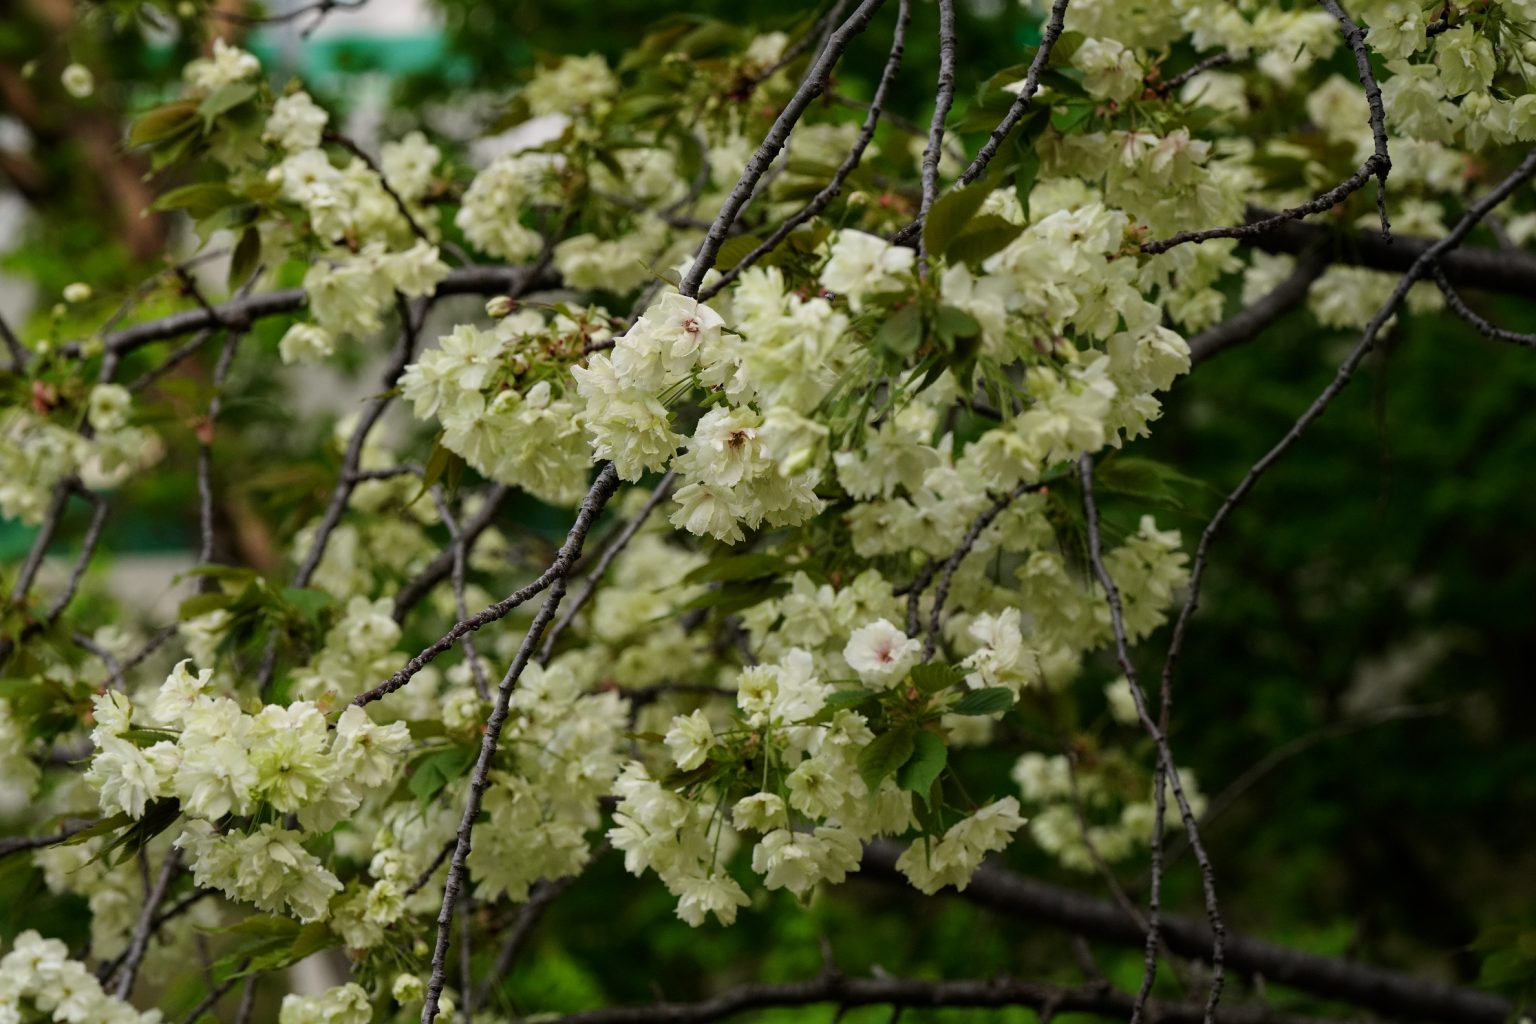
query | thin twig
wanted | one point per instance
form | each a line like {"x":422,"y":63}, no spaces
{"x":405,"y":211}
{"x":941,"y":592}
{"x":944,"y":97}
{"x":1430,"y":257}
{"x":477,"y":669}
{"x":1483,"y":326}
{"x":610,"y":552}
{"x":1247,"y":322}
{"x":528,"y":915}
{"x":430,"y":870}
{"x":900,"y":993}
{"x":978,"y":166}
{"x":1167,"y":770}
{"x":181,"y":353}
{"x":16,"y":844}
{"x":205,"y":452}
{"x":18,"y":351}
{"x":139,"y":942}
{"x":602,"y":488}
{"x":1391,"y":994}
{"x":1200,"y":67}
{"x":209,"y":1001}
{"x":812,"y":86}
{"x":1378,"y":165}
{"x":441,"y":566}
{"x":114,"y":669}
{"x":834,"y":187}
{"x":88,"y":545}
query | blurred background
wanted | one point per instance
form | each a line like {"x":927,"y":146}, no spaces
{"x":1358,"y":694}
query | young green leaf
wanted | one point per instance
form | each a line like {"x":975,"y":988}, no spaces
{"x":984,"y":702}
{"x":929,"y":755}
{"x":887,"y":753}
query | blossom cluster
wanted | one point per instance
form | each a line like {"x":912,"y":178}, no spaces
{"x":866,"y":552}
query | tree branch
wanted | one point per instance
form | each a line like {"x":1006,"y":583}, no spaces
{"x":1384,"y":991}
{"x":941,"y":592}
{"x":441,"y":566}
{"x":1248,"y":322}
{"x":1422,"y":265}
{"x":612,"y":551}
{"x":1167,"y":771}
{"x":815,"y":81}
{"x":602,"y":489}
{"x":1488,"y":269}
{"x":834,"y":187}
{"x":846,"y":993}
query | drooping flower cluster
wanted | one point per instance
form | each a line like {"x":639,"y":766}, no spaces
{"x":38,"y":975}
{"x":218,"y":760}
{"x":865,"y":556}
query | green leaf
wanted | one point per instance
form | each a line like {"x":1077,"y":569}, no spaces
{"x":950,"y":214}
{"x":1025,"y":174}
{"x":929,"y":756}
{"x":199,"y":200}
{"x":751,"y":566}
{"x":953,"y":323}
{"x":435,"y":771}
{"x":1066,"y":45}
{"x":933,"y":677}
{"x":312,"y":938}
{"x":202,"y":604}
{"x":733,"y":597}
{"x":984,"y":702}
{"x":158,"y":816}
{"x":735,"y":249}
{"x":265,"y":926}
{"x":1150,"y":481}
{"x":162,"y":123}
{"x":224,"y":99}
{"x":1071,"y":115}
{"x":984,"y":236}
{"x":308,"y":602}
{"x":438,"y":464}
{"x":902,"y":332}
{"x":884,"y":756}
{"x":105,"y":826}
{"x":242,"y":264}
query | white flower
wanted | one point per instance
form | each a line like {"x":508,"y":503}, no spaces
{"x":108,"y":408}
{"x":408,"y":165}
{"x":180,"y":693}
{"x":760,"y":811}
{"x":112,"y":711}
{"x":77,"y":292}
{"x":881,"y":654}
{"x":296,"y":122}
{"x":305,"y":343}
{"x":862,"y":264}
{"x":718,"y":894}
{"x":689,"y":739}
{"x":370,"y":754}
{"x":124,"y":777}
{"x":347,"y":1004}
{"x":407,"y":988}
{"x":228,"y":65}
{"x":570,"y":86}
{"x":78,"y":81}
{"x":1122,"y":703}
{"x":416,"y":271}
